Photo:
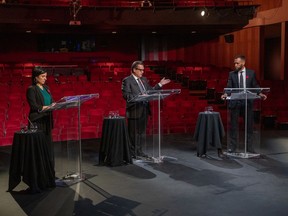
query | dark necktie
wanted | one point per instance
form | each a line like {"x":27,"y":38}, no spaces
{"x":241,"y":83}
{"x":141,"y":86}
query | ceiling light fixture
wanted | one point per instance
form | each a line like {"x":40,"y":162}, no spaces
{"x":146,"y":3}
{"x":75,"y":6}
{"x":204,"y":12}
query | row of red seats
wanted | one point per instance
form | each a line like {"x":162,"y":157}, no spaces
{"x":187,"y":107}
{"x":92,"y":112}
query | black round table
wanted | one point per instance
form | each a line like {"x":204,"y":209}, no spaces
{"x":209,"y":131}
{"x":30,"y":160}
{"x":114,"y":146}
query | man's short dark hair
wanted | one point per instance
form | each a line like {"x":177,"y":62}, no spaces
{"x":242,"y":57}
{"x":135,"y":64}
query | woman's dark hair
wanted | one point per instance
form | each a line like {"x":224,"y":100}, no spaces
{"x":37,"y":70}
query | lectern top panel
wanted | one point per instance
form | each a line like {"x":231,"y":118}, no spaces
{"x":71,"y":101}
{"x":263,"y":90}
{"x":155,"y":95}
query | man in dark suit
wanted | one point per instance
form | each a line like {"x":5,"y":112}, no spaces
{"x":137,"y":112}
{"x":241,"y":77}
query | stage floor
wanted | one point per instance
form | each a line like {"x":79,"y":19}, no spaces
{"x":187,"y":186}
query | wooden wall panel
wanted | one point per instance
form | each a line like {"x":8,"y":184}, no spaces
{"x":268,"y":4}
{"x":220,"y":53}
{"x":284,"y":52}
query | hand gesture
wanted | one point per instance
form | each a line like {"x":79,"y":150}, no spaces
{"x":164,"y":81}
{"x":224,"y":96}
{"x":263,"y":96}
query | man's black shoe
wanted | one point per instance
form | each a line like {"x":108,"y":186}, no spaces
{"x":251,"y":151}
{"x":136,"y":157}
{"x":141,"y":154}
{"x":231,"y":151}
{"x":220,"y":153}
{"x":201,"y":155}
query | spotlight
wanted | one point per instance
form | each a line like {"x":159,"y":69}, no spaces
{"x":204,"y":12}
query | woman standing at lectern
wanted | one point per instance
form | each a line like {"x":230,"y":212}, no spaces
{"x":39,"y":98}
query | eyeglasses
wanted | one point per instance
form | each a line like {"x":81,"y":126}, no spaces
{"x":142,"y":70}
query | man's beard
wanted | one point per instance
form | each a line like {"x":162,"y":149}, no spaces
{"x":238,"y":69}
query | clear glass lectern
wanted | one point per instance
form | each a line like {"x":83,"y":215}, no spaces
{"x":71,"y":135}
{"x":154,"y":127}
{"x":244,"y":121}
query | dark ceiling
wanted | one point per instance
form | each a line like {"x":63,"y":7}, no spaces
{"x":168,"y":19}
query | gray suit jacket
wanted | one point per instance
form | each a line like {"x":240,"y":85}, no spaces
{"x":130,"y":90}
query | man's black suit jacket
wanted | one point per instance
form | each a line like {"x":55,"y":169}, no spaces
{"x":233,"y":82}
{"x":130,"y":90}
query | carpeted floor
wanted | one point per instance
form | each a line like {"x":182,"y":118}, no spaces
{"x":182,"y":184}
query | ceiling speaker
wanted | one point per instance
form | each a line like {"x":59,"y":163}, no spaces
{"x":229,"y":38}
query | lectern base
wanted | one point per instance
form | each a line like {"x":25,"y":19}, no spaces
{"x":139,"y":159}
{"x":153,"y":159}
{"x":69,"y":180}
{"x":162,"y":158}
{"x":242,"y":155}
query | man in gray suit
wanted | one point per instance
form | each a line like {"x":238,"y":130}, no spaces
{"x":241,"y":77}
{"x":137,"y":112}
